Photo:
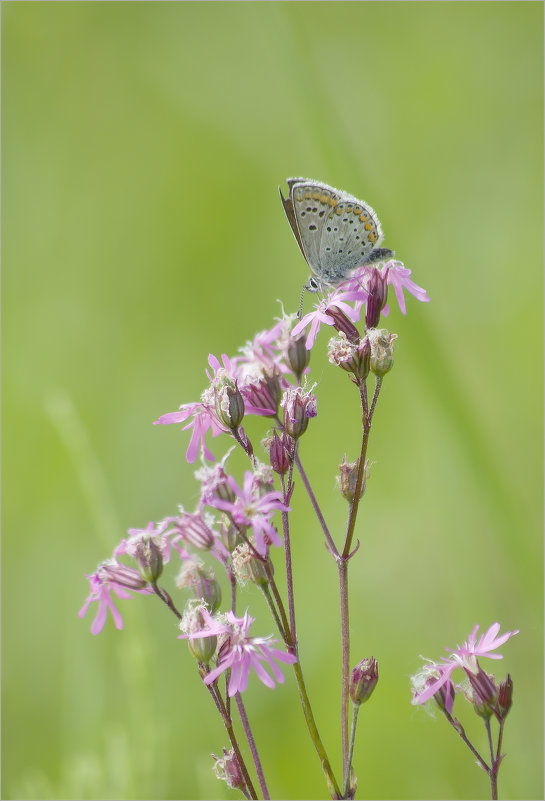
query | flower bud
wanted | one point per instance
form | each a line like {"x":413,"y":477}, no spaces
{"x":280,"y":451}
{"x":377,"y":288}
{"x":382,"y":350}
{"x":202,"y":583}
{"x":505,"y":697}
{"x":348,"y":476}
{"x":121,"y":574}
{"x":299,"y":406}
{"x":363,"y":680}
{"x":150,"y":559}
{"x":228,"y":770}
{"x":248,"y":568}
{"x":202,"y":648}
{"x":229,"y":405}
{"x":298,"y":355}
{"x":485,"y":692}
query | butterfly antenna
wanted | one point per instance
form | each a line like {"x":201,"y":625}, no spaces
{"x":300,"y":310}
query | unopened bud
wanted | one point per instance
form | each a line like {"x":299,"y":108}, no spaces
{"x":377,"y":287}
{"x":202,"y":583}
{"x":280,"y":451}
{"x":150,"y":559}
{"x":382,"y":350}
{"x":299,"y":406}
{"x":505,"y":697}
{"x":363,"y":680}
{"x":229,"y":405}
{"x":485,"y":692}
{"x":202,"y":648}
{"x":298,"y":355}
{"x":121,"y":574}
{"x":228,"y":770}
{"x":348,"y":477}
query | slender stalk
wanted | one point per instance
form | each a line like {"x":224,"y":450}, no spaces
{"x":355,"y":712}
{"x":500,"y":738}
{"x":251,"y":743}
{"x":493,"y":772}
{"x":345,"y":646}
{"x":228,"y":723}
{"x":289,"y":569}
{"x":367,"y":420}
{"x":489,"y":735}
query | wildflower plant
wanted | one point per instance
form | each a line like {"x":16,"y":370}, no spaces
{"x":488,"y":698}
{"x":241,"y":527}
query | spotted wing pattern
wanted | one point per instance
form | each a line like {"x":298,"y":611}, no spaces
{"x":335,"y":231}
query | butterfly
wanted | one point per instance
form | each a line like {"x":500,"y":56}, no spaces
{"x":335,"y":231}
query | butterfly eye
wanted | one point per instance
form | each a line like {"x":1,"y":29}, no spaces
{"x":312,"y":285}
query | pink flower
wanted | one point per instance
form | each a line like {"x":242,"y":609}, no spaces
{"x":438,"y":674}
{"x":103,"y":584}
{"x":398,"y":277}
{"x":320,"y":316}
{"x":130,"y":545}
{"x":253,"y":508}
{"x":202,"y":420}
{"x":240,"y":652}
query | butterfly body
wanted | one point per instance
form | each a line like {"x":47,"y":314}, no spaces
{"x":335,"y":231}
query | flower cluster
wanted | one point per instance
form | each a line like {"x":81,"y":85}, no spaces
{"x":254,"y":381}
{"x":434,"y":679}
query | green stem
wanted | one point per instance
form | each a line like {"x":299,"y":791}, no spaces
{"x":355,"y":712}
{"x":345,"y":677}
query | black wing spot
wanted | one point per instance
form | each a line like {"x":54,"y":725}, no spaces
{"x":312,"y":228}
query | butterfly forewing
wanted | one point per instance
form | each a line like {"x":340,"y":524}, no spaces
{"x":312,"y":203}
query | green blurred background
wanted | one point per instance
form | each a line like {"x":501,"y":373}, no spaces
{"x":143,"y":144}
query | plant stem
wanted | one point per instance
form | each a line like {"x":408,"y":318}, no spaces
{"x":251,"y":743}
{"x":228,"y":723}
{"x":494,"y":763}
{"x":289,"y":569}
{"x":367,"y":418}
{"x":355,"y":712}
{"x":345,"y":646}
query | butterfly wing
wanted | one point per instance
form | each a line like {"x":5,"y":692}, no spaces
{"x":307,"y":206}
{"x":350,"y":233}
